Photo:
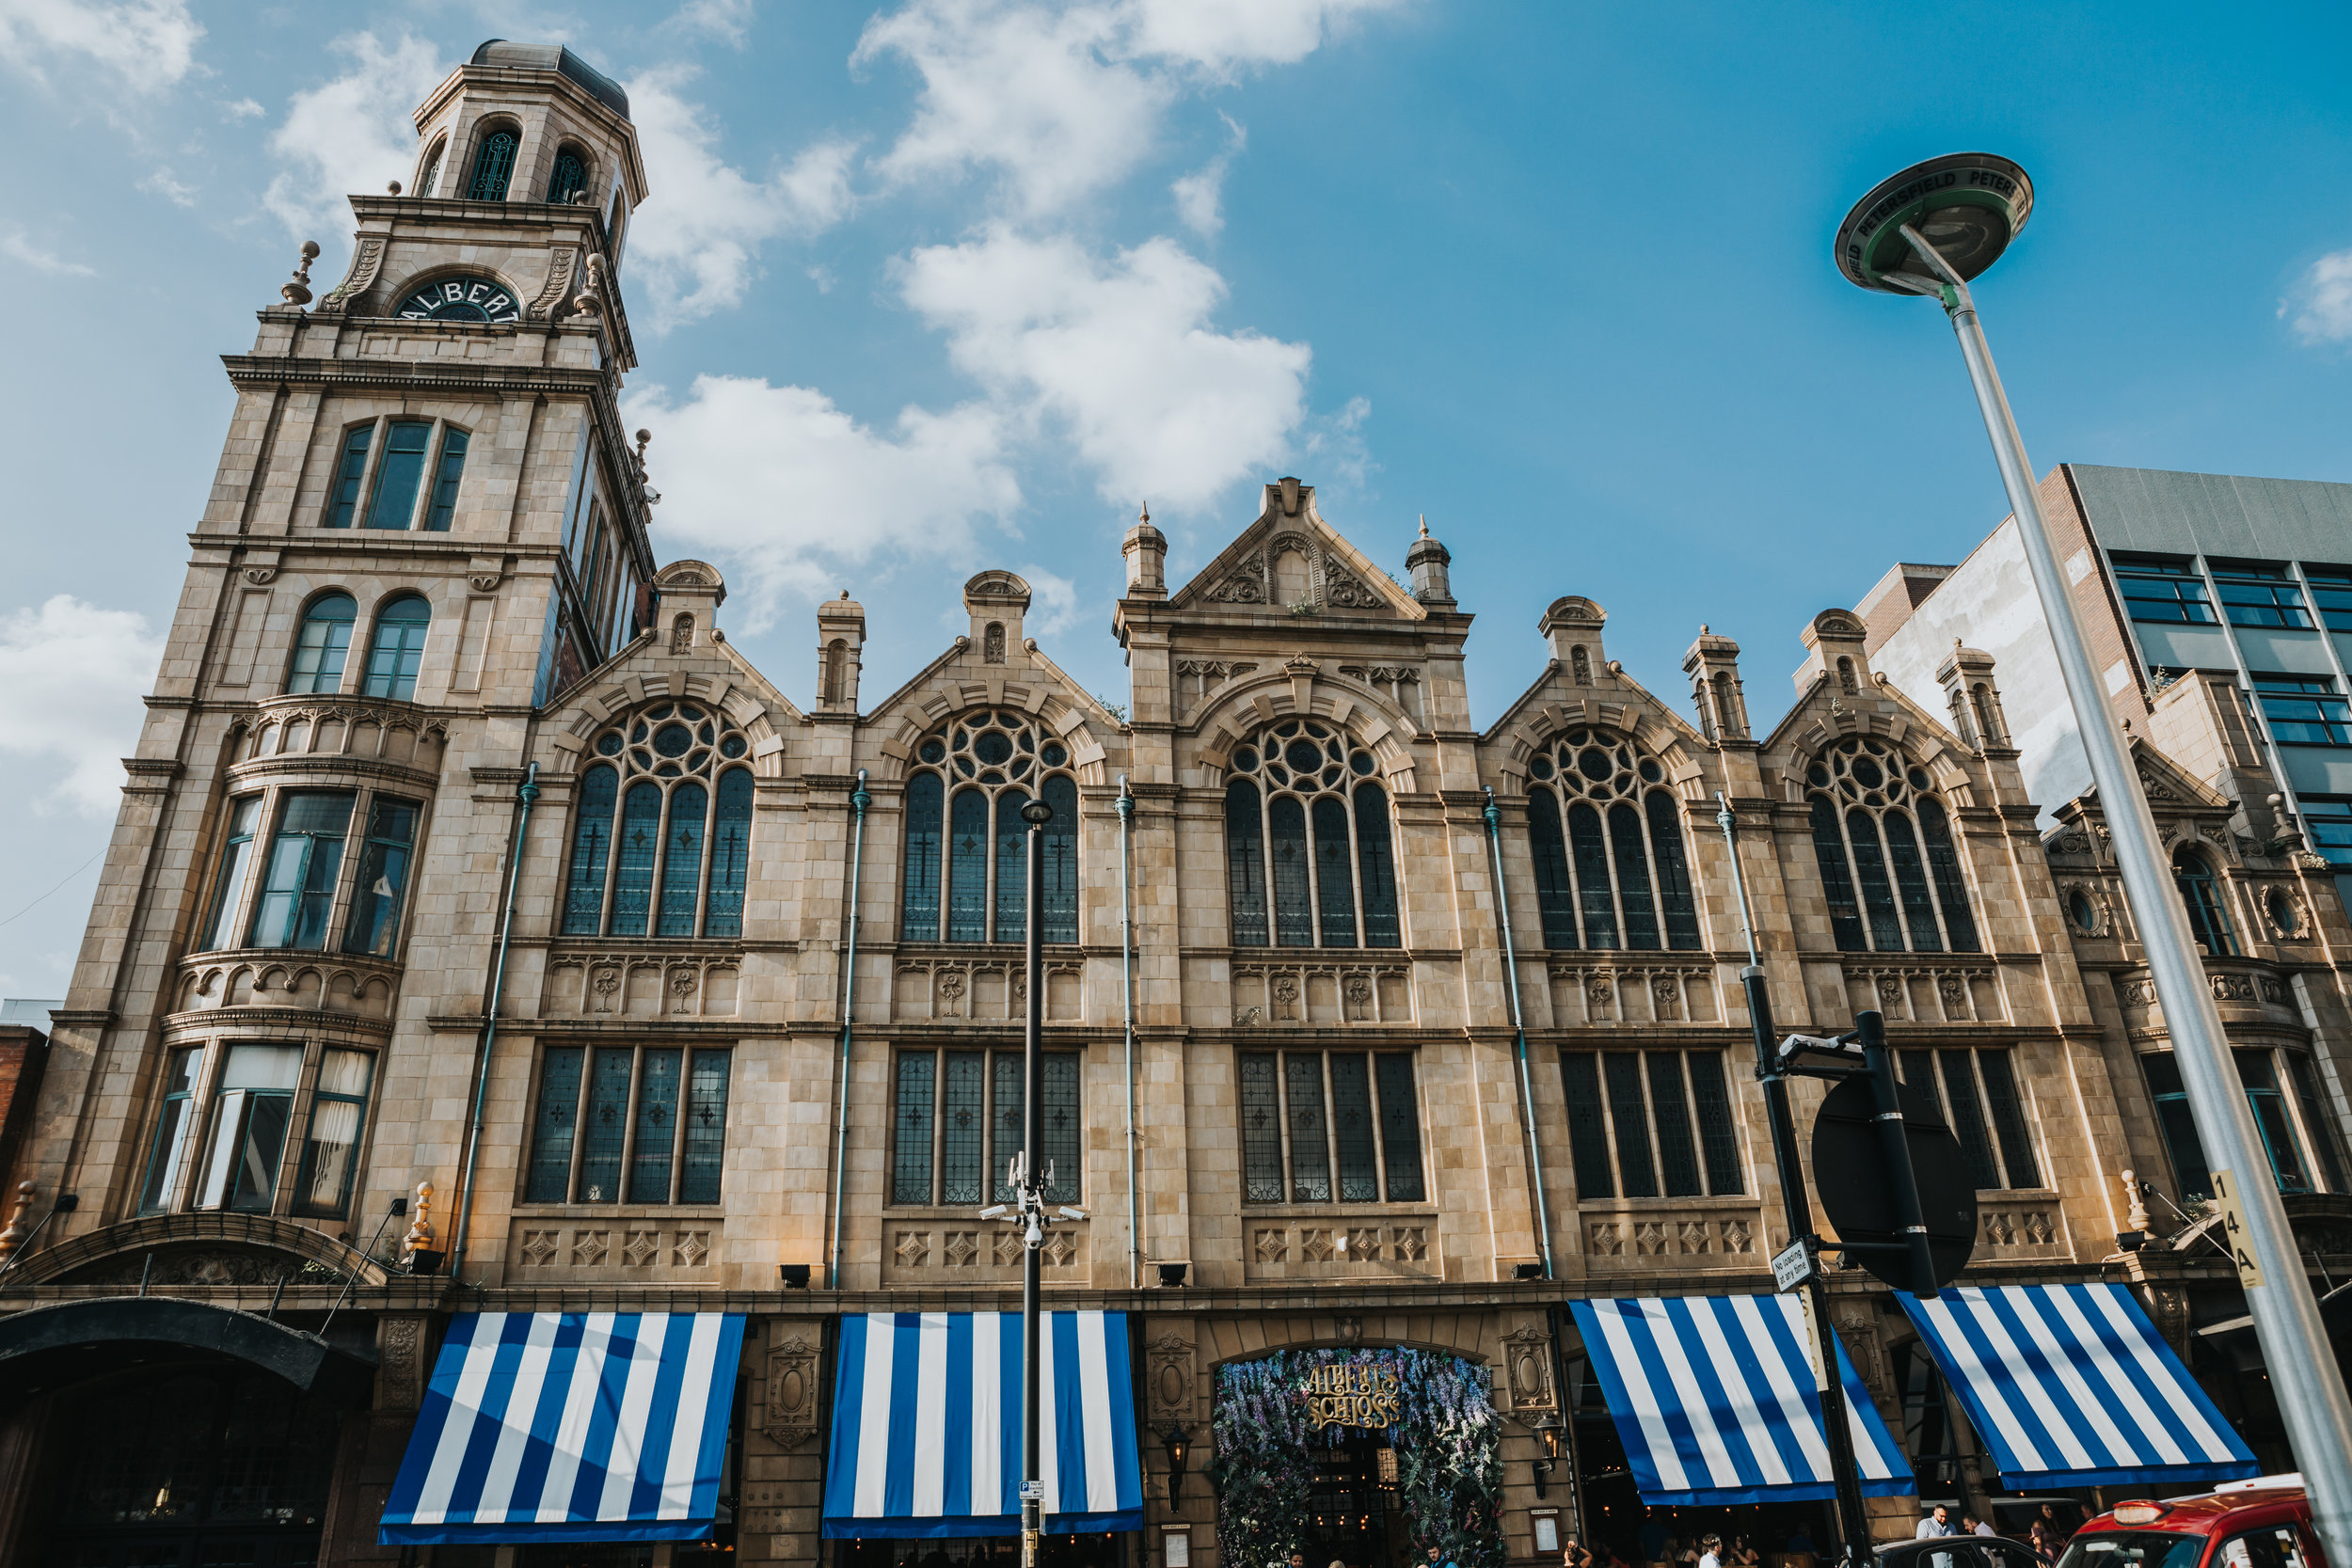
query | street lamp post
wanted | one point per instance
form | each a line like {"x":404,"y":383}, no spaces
{"x":1035,"y":813}
{"x":1929,"y":230}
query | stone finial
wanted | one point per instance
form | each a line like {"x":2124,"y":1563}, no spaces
{"x":420,"y":1237}
{"x":2137,"y":1218}
{"x":1427,"y":564}
{"x":298,"y":292}
{"x":14,"y":1237}
{"x":1145,"y":550}
{"x":645,"y":439}
{"x":392,"y":189}
{"x":589,"y":300}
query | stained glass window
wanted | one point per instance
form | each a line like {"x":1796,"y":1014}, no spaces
{"x":1629,"y":1117}
{"x":706,"y":1141}
{"x":1302,"y":1111}
{"x":993,"y":760}
{"x":1874,"y":873}
{"x":1620,"y":869}
{"x":675,"y":755}
{"x":1588,"y":1125}
{"x":1305,"y":819}
{"x":958,"y":1113}
{"x":605,"y":1127}
{"x":654,"y":1148}
{"x":549,"y":1177}
{"x":660,"y":1110}
{"x":1673,"y":1127}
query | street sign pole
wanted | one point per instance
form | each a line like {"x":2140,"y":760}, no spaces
{"x":1895,"y":1148}
{"x":1853,"y":1523}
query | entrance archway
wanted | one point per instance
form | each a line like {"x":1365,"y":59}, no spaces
{"x":1365,"y":1456}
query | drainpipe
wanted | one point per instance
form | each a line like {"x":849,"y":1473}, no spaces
{"x":525,"y":794}
{"x":1518,"y":1033}
{"x":859,"y":801}
{"x":1127,"y":991}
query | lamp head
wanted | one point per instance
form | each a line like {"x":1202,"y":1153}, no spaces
{"x":1968,"y":205}
{"x":1035,"y":813}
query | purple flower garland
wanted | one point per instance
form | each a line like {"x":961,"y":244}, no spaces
{"x":1447,"y":1478}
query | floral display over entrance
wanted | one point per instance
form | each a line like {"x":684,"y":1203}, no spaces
{"x":1271,"y":1416}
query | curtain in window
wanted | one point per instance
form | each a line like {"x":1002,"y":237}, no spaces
{"x":592,"y":841}
{"x":730,"y":854}
{"x":398,"y":648}
{"x":1951,"y":889}
{"x":1335,"y":888}
{"x":252,"y":1108}
{"x":918,"y":905}
{"x":1590,"y":851}
{"x":1641,"y":915}
{"x":1829,"y":853}
{"x":632,"y":872}
{"x":1375,"y":863}
{"x":1674,"y":873}
{"x":324,"y":644}
{"x":967,"y":867}
{"x":1555,"y":894}
{"x":493,"y":166}
{"x":1244,"y":863}
{"x":682,"y":860}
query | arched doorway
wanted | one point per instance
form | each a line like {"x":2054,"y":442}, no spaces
{"x":1365,"y":1457}
{"x":183,"y":1466}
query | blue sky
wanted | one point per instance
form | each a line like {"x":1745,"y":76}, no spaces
{"x":944,"y":285}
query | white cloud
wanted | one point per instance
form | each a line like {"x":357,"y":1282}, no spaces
{"x":694,"y":240}
{"x":71,"y":675}
{"x":352,"y":134}
{"x":147,"y":45}
{"x":1120,"y":354}
{"x":1053,"y":602}
{"x":164,"y":184}
{"x":2323,"y":304}
{"x":1201,"y":195}
{"x":15,"y":246}
{"x":729,"y":21}
{"x":243,"y":108}
{"x":785,"y":487}
{"x":1066,"y":101}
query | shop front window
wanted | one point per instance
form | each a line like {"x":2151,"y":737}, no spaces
{"x":1319,"y":1125}
{"x":1651,"y":1124}
{"x":647,"y":1120}
{"x":956,"y":1126}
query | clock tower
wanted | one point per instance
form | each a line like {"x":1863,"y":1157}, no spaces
{"x":428,"y":521}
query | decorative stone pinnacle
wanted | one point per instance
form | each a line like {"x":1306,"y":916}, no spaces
{"x":1144,"y":516}
{"x":298,"y":292}
{"x":420,"y":1237}
{"x":1425,"y":525}
{"x":589,"y":300}
{"x":392,"y":189}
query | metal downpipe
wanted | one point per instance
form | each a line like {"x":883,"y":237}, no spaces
{"x":525,"y":794}
{"x":859,"y":801}
{"x":1127,"y":1008}
{"x":1519,"y":1035}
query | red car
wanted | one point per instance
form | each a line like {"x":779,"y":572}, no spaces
{"x":2262,"y":1523}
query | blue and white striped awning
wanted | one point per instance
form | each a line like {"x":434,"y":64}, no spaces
{"x":2070,"y":1385}
{"x":569,"y":1426}
{"x":1714,"y":1397}
{"x":926,"y":1426}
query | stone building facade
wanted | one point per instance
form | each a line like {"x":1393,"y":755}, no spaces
{"x":449,"y":797}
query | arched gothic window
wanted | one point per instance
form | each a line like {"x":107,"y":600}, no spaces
{"x":432,"y":175}
{"x":1606,"y":831}
{"x":659,"y":787}
{"x":398,"y":647}
{"x":324,"y":644}
{"x":2208,"y":916}
{"x":975,"y":872}
{"x":836,"y":669}
{"x":1879,"y":868}
{"x":493,"y":166}
{"x":571,"y":177}
{"x":1305,"y":818}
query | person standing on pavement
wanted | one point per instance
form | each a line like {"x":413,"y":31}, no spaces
{"x":1937,"y":1523}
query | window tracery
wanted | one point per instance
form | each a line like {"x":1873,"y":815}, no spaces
{"x":966,"y":857}
{"x":1606,"y":832}
{"x":1306,"y":822}
{"x":1878,"y":870}
{"x":669,"y":854}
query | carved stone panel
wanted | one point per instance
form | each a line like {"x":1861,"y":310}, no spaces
{"x":1527,"y":1359}
{"x":400,"y":1363}
{"x":1169,"y":1381}
{"x":791,"y":1419}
